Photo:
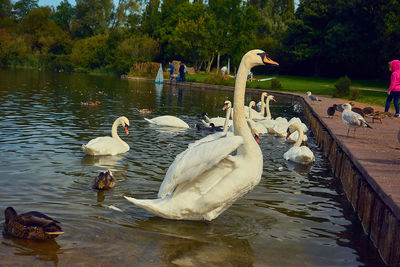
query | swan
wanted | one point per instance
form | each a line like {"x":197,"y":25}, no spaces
{"x":259,"y":127}
{"x":300,"y":123}
{"x":205,"y":180}
{"x":280,"y":127}
{"x":168,"y":120}
{"x":109,"y":145}
{"x":297,"y":153}
{"x":259,"y":115}
{"x":268,"y":122}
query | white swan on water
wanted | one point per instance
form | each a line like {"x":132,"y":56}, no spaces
{"x":297,"y":153}
{"x":205,"y":180}
{"x":168,"y":120}
{"x":109,"y":145}
{"x":258,"y":126}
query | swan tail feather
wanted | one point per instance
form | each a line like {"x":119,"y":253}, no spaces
{"x":88,"y":150}
{"x":152,"y":205}
{"x":148,"y":120}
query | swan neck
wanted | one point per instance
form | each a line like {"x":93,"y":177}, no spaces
{"x":226,"y":123}
{"x":262,"y":104}
{"x":239,"y":120}
{"x":267,"y":108}
{"x":301,"y":134}
{"x":114,"y":132}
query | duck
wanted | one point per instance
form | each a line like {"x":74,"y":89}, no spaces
{"x":379,"y":115}
{"x":352,"y":119}
{"x":109,"y":145}
{"x":312,"y":97}
{"x":338,"y":107}
{"x":95,"y":103}
{"x":104,"y":181}
{"x":168,"y":120}
{"x":297,"y":153}
{"x":331,"y":111}
{"x":368,"y":110}
{"x":258,"y":126}
{"x":145,"y":111}
{"x":358,"y":110}
{"x":205,"y":179}
{"x":31,"y":225}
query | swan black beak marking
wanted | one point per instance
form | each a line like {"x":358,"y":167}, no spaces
{"x":257,"y":139}
{"x":267,"y":60}
{"x":126,"y":129}
{"x":288,"y":133}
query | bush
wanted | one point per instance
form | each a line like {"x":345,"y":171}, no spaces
{"x":146,"y":69}
{"x":218,"y":78}
{"x":342,"y":87}
{"x":354,"y":94}
{"x":276,"y":84}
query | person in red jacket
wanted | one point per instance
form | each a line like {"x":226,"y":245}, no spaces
{"x":394,"y":88}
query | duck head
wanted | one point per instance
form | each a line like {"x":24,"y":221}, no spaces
{"x":104,"y":181}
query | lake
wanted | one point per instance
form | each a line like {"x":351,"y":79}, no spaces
{"x":296,"y":216}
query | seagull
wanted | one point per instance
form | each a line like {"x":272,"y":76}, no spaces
{"x":331,"y":111}
{"x":352,"y":119}
{"x":312,"y":97}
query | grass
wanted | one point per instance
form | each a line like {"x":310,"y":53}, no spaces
{"x":371,"y":91}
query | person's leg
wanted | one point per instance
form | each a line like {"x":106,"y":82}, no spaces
{"x":388,"y":100}
{"x":396,"y":101}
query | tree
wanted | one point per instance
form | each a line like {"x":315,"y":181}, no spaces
{"x":92,"y":17}
{"x":63,"y":15}
{"x":151,"y":18}
{"x":23,"y":7}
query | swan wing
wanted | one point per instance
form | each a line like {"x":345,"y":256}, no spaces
{"x":105,"y":146}
{"x":168,"y":120}
{"x":196,"y":160}
{"x":208,"y":138}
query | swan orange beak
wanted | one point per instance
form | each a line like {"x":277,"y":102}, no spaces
{"x":126,"y":129}
{"x":273,"y":99}
{"x":288,"y":133}
{"x":267,"y":60}
{"x":225,"y":107}
{"x":257,"y":139}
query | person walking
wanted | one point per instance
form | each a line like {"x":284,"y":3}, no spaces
{"x":394,"y":88}
{"x":171,"y":70}
{"x":182,"y":72}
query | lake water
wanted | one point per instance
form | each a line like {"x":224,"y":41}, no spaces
{"x":296,"y":216}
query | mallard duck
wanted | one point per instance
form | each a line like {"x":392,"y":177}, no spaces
{"x":379,"y":115}
{"x":96,"y":103}
{"x":358,"y":110}
{"x":145,"y":111}
{"x":331,"y":111}
{"x":368,"y":110}
{"x":104,"y":181}
{"x":30,"y":225}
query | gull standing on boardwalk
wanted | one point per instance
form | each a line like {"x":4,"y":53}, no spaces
{"x":312,"y":97}
{"x":352,"y":119}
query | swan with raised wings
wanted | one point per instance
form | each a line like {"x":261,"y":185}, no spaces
{"x":109,"y":145}
{"x":168,"y":120}
{"x":205,"y":179}
{"x":297,"y":153}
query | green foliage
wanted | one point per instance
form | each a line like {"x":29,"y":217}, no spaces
{"x":342,"y":87}
{"x":146,"y":69}
{"x":354,"y":94}
{"x":89,"y":53}
{"x":23,"y":7}
{"x":218,"y":79}
{"x":276,"y":84}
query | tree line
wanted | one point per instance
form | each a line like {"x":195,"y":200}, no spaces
{"x":328,"y":38}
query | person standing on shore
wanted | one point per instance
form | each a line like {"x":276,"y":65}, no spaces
{"x":182,"y":72}
{"x":171,"y":70}
{"x":394,"y":88}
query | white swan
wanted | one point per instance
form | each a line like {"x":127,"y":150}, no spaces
{"x":280,"y":127}
{"x":299,"y":154}
{"x":108,"y":145}
{"x":268,"y":122}
{"x":204,"y":180}
{"x":259,"y":127}
{"x":168,"y":120}
{"x":259,"y":115}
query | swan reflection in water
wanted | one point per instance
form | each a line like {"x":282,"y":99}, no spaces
{"x":43,"y":250}
{"x":196,"y":243}
{"x":110,"y":162}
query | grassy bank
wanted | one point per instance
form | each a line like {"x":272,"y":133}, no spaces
{"x":370,"y":91}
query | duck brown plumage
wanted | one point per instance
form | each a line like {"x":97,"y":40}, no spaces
{"x":31,"y":225}
{"x":104,"y":181}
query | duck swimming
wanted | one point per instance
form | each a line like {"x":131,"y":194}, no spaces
{"x":31,"y":225}
{"x":104,"y":181}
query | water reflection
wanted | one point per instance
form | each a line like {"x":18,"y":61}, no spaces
{"x":199,"y":243}
{"x":43,"y":250}
{"x":109,"y":162}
